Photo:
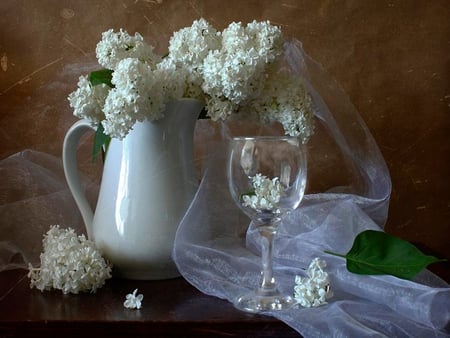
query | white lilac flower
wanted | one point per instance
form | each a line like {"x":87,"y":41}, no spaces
{"x":137,"y":95}
{"x":262,"y":38}
{"x":69,"y":263}
{"x":179,"y":82}
{"x":230,"y":77}
{"x":114,"y":47}
{"x":87,"y":101}
{"x":189,"y":46}
{"x":234,"y":38}
{"x":284,"y":99}
{"x":240,"y":77}
{"x":267,"y":193}
{"x":269,"y":39}
{"x":235,"y":72}
{"x":313,"y":290}
{"x":219,"y":108}
{"x":132,"y":301}
{"x":172,"y":79}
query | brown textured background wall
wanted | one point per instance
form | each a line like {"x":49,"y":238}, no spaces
{"x":391,"y":58}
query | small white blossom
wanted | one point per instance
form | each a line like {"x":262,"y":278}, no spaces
{"x":236,"y":72}
{"x":283,"y":99}
{"x":69,"y":263}
{"x":189,"y":46}
{"x":115,"y":47}
{"x":137,"y":95}
{"x":269,"y":39}
{"x":313,"y":290}
{"x":261,"y":39}
{"x":87,"y":101}
{"x":132,"y":301}
{"x":176,"y":82}
{"x":267,"y":193}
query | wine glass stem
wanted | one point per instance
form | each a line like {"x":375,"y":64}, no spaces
{"x":267,"y":286}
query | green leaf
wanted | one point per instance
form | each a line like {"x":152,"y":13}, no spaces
{"x":101,"y":142}
{"x":378,"y":253}
{"x":203,"y":114}
{"x":101,"y":76}
{"x":248,"y":193}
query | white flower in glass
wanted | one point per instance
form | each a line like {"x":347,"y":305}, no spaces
{"x":69,"y":263}
{"x":313,"y":290}
{"x":115,"y":47}
{"x":267,"y":193}
{"x":132,"y":301}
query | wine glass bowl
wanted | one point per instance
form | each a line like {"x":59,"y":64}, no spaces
{"x":267,"y":179}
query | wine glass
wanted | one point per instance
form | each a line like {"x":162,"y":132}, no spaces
{"x":267,"y":179}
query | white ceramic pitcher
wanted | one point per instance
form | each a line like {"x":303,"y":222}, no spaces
{"x":147,"y":185}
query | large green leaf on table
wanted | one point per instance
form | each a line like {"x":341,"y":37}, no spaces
{"x":378,"y":253}
{"x":101,"y":76}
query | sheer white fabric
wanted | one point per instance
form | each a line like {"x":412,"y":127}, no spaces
{"x":217,"y":255}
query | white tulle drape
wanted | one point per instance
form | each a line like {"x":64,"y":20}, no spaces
{"x":214,"y":252}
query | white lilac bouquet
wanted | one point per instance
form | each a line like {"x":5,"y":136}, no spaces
{"x":237,"y":73}
{"x":69,"y":263}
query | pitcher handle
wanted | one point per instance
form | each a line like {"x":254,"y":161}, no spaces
{"x":70,"y":164}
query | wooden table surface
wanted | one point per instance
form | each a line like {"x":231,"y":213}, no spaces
{"x":171,"y":308}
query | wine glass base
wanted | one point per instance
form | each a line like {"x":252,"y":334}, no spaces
{"x":255,"y":303}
